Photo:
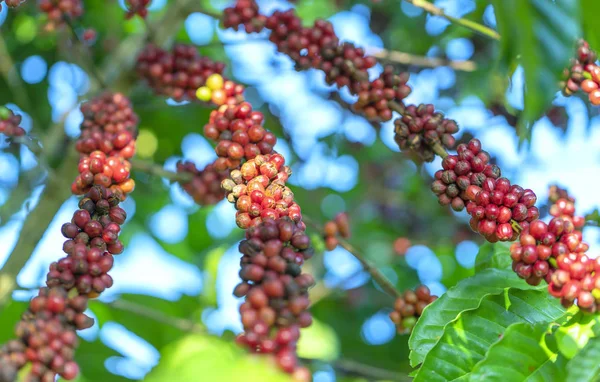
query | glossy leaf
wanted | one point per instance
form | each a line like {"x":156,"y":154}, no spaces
{"x":493,"y":256}
{"x":520,"y":355}
{"x":467,"y":339}
{"x":464,"y":296}
{"x":200,"y":357}
{"x":539,"y":36}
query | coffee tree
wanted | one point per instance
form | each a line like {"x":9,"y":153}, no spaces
{"x":525,"y":309}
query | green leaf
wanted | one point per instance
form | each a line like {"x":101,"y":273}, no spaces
{"x":200,"y":357}
{"x":591,"y":28}
{"x":584,"y":366}
{"x":493,"y":256}
{"x":467,"y":339}
{"x":211,"y":268}
{"x":466,"y":295}
{"x":318,"y":341}
{"x":520,"y":355}
{"x":574,"y":335}
{"x":539,"y":34}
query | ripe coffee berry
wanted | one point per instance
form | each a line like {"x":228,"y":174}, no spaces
{"x":420,"y":128}
{"x":409,"y":308}
{"x":205,"y":186}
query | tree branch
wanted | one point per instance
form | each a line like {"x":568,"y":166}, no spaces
{"x":371,"y":373}
{"x":152,"y":168}
{"x":411,"y":59}
{"x":7,"y":66}
{"x":158,"y":316}
{"x":430,"y":8}
{"x":379,"y":277}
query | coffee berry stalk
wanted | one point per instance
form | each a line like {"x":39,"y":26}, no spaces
{"x":253,"y":177}
{"x":46,"y":334}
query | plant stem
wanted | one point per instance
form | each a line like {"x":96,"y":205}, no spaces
{"x":429,"y":7}
{"x":152,"y":168}
{"x":379,"y":277}
{"x":411,"y":59}
{"x":439,"y":150}
{"x":371,"y":373}
{"x":87,"y":53}
{"x":13,"y":79}
{"x":156,"y":315}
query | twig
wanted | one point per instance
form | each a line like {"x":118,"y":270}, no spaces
{"x":158,"y":316}
{"x":152,"y":168}
{"x":87,"y":53}
{"x":411,"y":59}
{"x":371,"y":373}
{"x":13,"y":79}
{"x":379,"y":277}
{"x":429,"y":7}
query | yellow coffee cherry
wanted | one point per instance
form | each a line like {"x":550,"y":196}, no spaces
{"x":204,"y":94}
{"x":214,"y":81}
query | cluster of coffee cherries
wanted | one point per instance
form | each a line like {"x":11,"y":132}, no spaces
{"x":344,"y":64}
{"x":220,"y":91}
{"x":239,"y":133}
{"x":92,"y":240}
{"x":555,"y":252}
{"x":205,"y":185}
{"x":583,"y":74}
{"x":47,"y":338}
{"x":409,"y":307}
{"x":556,"y":192}
{"x":101,"y":170}
{"x":109,"y":125}
{"x":259,"y":191}
{"x":107,"y":140}
{"x":178,"y":73}
{"x":137,"y":7}
{"x":421,"y":127}
{"x":9,"y":123}
{"x":59,"y":10}
{"x":46,"y":333}
{"x":276,"y":291}
{"x":499,"y":210}
{"x":340,"y":225}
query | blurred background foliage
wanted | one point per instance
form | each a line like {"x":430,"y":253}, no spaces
{"x":171,"y":312}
